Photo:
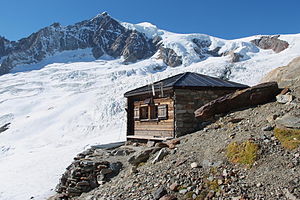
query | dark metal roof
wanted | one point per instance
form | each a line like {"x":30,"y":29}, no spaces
{"x":187,"y":79}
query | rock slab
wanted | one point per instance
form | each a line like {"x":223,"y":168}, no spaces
{"x":252,"y":96}
{"x":288,"y":121}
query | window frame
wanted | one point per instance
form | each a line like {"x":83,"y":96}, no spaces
{"x":164,"y":115}
{"x":136,"y":114}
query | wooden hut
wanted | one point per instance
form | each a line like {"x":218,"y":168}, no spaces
{"x":165,"y":109}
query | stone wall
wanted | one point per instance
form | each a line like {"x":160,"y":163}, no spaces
{"x":187,"y":101}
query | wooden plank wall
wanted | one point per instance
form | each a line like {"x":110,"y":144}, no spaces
{"x":161,"y":128}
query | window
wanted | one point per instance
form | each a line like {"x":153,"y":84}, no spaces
{"x":151,"y":112}
{"x":162,"y":112}
{"x":144,"y":112}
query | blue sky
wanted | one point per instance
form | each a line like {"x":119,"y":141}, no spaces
{"x":221,"y":18}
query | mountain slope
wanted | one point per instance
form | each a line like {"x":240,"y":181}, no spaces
{"x":59,"y":102}
{"x":102,"y":33}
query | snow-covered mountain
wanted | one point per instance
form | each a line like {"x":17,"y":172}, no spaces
{"x":62,"y":88}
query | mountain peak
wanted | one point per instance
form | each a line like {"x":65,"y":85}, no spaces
{"x":101,"y":15}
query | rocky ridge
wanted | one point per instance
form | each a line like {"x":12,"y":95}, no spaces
{"x":196,"y":166}
{"x":286,"y":76}
{"x":103,"y":34}
{"x":106,"y":36}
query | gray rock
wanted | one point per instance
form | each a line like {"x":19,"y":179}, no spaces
{"x":140,"y":157}
{"x":183,"y":191}
{"x":157,"y":194}
{"x":289,"y":195}
{"x":288,"y":121}
{"x":133,"y":170}
{"x":83,"y":183}
{"x":150,"y":143}
{"x":122,"y":152}
{"x":100,"y":178}
{"x":271,"y":119}
{"x":194,"y":165}
{"x":267,"y":128}
{"x":161,"y":154}
{"x":116,"y":167}
{"x":286,"y":98}
{"x":106,"y":171}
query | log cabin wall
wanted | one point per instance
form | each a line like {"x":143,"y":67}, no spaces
{"x":186,"y":101}
{"x":156,"y":127}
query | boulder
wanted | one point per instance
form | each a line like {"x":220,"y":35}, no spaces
{"x":252,"y":96}
{"x":286,"y":77}
{"x":160,"y":192}
{"x":288,"y":121}
{"x":142,"y":156}
{"x":284,"y":98}
{"x":161,"y":154}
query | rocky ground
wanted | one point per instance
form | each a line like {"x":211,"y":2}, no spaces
{"x":198,"y":168}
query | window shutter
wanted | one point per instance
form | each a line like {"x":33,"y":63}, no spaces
{"x":136,"y":113}
{"x":162,"y":111}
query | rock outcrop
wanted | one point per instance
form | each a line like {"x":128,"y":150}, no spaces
{"x":288,"y":121}
{"x":102,"y":33}
{"x":4,"y":46}
{"x":271,"y":42}
{"x":170,"y":57}
{"x":286,"y":76}
{"x":202,"y":48}
{"x":256,"y":95}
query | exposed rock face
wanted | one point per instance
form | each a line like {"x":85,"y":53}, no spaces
{"x":256,"y":95}
{"x":170,"y":57}
{"x":4,"y":46}
{"x":287,"y":76}
{"x":271,"y":42}
{"x":235,"y":57}
{"x":103,"y":34}
{"x":202,"y":47}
